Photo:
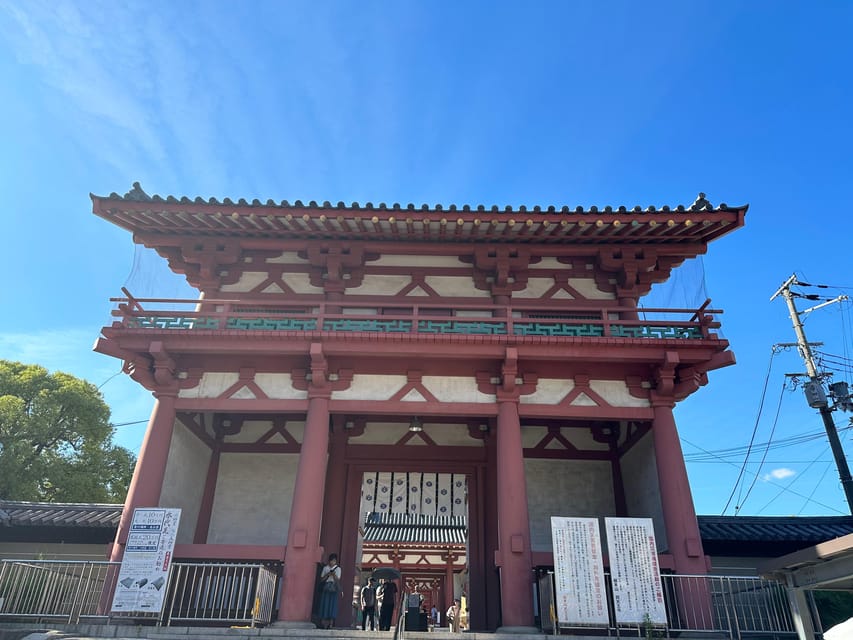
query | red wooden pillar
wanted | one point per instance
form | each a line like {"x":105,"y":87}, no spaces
{"x":513,"y":555}
{"x":202,"y":527}
{"x":450,"y":589}
{"x":147,"y":482}
{"x":682,"y":530}
{"x":303,"y":534}
{"x":331,"y":538}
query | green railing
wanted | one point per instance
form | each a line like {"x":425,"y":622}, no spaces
{"x":530,"y":320}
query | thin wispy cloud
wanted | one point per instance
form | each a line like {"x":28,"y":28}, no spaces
{"x":126,"y":80}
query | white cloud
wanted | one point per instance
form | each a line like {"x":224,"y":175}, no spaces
{"x":779,"y":474}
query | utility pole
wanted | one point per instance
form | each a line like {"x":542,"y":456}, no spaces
{"x":815,"y":394}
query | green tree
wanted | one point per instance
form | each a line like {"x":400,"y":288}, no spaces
{"x":56,"y":439}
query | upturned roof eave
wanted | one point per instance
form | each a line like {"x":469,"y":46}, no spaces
{"x":155,"y":216}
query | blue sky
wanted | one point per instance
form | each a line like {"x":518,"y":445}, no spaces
{"x":544,"y":103}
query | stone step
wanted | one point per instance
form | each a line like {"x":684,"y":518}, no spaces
{"x":33,"y":631}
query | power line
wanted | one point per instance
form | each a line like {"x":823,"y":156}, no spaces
{"x":788,"y":487}
{"x":817,"y":485}
{"x":779,"y":444}
{"x":800,"y":495}
{"x":754,"y":430}
{"x":766,"y":449}
{"x":127,"y":424}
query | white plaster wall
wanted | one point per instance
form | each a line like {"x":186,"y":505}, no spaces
{"x":616,"y":393}
{"x":211,"y":385}
{"x":279,"y":386}
{"x":587,"y":288}
{"x":300,"y":283}
{"x":553,"y":391}
{"x":451,"y":435}
{"x":642,"y":490}
{"x":377,"y":285}
{"x":253,"y":498}
{"x":455,"y":389}
{"x":248,"y":281}
{"x":183,"y":482}
{"x":452,"y":286}
{"x":548,"y":391}
{"x":371,"y":387}
{"x":536,"y":287}
{"x":582,"y":488}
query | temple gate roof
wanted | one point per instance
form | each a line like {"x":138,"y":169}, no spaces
{"x":151,"y":216}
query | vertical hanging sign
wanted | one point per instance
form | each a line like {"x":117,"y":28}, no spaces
{"x":578,"y":571}
{"x":634,"y":571}
{"x":141,"y":584}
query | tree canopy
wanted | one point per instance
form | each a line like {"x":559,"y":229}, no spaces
{"x":56,"y":439}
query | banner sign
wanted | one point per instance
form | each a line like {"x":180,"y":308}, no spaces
{"x":578,"y":571}
{"x":634,"y":571}
{"x":141,"y":586}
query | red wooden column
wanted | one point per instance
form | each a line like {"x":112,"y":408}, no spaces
{"x":682,"y":530}
{"x":303,"y":534}
{"x":331,"y":538}
{"x":513,"y":554}
{"x":147,"y":482}
{"x":205,"y":512}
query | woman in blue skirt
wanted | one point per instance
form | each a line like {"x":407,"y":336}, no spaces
{"x":330,"y":592}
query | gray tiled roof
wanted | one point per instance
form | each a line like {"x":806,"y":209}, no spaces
{"x":415,"y":529}
{"x":136,"y":194}
{"x":811,"y":530}
{"x":156,"y":216}
{"x":58,"y":514}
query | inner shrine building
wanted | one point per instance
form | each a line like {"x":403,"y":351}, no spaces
{"x":413,"y":362}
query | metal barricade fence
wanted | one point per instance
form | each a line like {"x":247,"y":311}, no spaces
{"x":735,"y":607}
{"x":62,"y":589}
{"x":197,"y":592}
{"x":738,"y":605}
{"x":220,"y":592}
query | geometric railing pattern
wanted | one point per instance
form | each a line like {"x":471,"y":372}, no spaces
{"x":372,"y":325}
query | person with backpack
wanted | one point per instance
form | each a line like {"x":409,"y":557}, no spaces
{"x":368,"y":604}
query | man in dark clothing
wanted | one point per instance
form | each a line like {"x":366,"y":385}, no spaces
{"x":387,"y":601}
{"x":368,"y":604}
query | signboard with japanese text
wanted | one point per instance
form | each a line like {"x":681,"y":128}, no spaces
{"x":634,"y":571}
{"x":141,"y":586}
{"x":578,"y":572}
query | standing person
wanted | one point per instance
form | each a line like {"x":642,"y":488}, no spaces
{"x":330,"y":592}
{"x":433,"y":616}
{"x":386,"y":604}
{"x":453,"y":616}
{"x":368,"y":604}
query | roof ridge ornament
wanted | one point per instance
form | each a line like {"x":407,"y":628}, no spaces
{"x":137,"y":194}
{"x":701,"y":203}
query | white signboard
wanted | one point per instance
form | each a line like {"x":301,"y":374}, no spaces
{"x":634,"y":571}
{"x":141,"y":586}
{"x":578,"y":571}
